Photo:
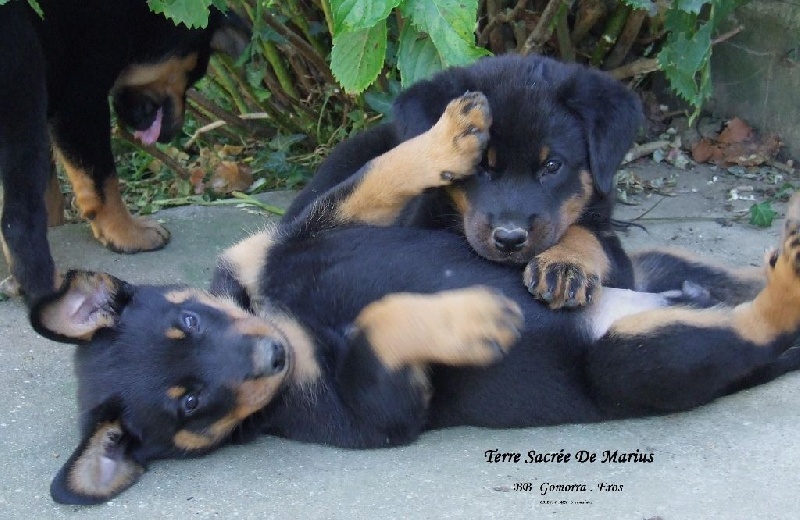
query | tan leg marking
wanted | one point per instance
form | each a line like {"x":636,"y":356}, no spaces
{"x":473,"y":326}
{"x":111,"y":222}
{"x":579,"y":263}
{"x":576,"y":263}
{"x":248,"y":259}
{"x":447,"y":152}
{"x":773,"y":313}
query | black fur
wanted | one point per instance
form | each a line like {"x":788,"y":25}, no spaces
{"x":585,"y":120}
{"x":56,"y":72}
{"x":382,"y":341}
{"x":320,"y":279}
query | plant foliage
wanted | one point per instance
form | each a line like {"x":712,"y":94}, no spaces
{"x":686,"y":54}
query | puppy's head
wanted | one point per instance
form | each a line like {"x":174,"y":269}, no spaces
{"x":558,"y":135}
{"x":162,"y":372}
{"x":150,"y":97}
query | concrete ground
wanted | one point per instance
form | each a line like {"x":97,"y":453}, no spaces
{"x":736,"y":458}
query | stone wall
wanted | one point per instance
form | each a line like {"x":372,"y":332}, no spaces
{"x":756,"y":74}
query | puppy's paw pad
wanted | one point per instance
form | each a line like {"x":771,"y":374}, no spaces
{"x":463,"y":131}
{"x":470,"y":119}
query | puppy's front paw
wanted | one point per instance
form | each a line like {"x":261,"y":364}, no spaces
{"x":474,"y":326}
{"x":462,"y":134}
{"x":560,"y":284}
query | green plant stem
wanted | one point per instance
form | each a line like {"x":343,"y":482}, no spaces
{"x":544,"y":28}
{"x":326,"y":10}
{"x":273,"y":57}
{"x":610,"y":34}
{"x":302,"y":22}
{"x":626,"y":39}
{"x":589,"y":12}
{"x":565,"y":47}
{"x":168,"y":161}
{"x":211,"y":108}
{"x":224,"y":80}
{"x":303,"y":47}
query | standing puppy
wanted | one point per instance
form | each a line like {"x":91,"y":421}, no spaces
{"x":56,"y":73}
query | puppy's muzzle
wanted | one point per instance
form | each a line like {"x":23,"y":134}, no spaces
{"x":509,"y":239}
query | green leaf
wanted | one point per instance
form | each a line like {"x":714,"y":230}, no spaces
{"x":351,"y":15}
{"x":762,"y":214}
{"x":417,"y":56}
{"x":450,"y":25}
{"x":679,"y":22}
{"x":357,"y":57}
{"x":681,"y":60}
{"x":382,"y":101}
{"x":191,"y":13}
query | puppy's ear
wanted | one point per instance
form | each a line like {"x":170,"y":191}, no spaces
{"x":232,"y":36}
{"x":101,"y":467}
{"x":611,"y":115}
{"x":85,"y":303}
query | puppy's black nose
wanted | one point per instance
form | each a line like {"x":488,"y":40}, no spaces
{"x":269,"y":357}
{"x":509,"y":240}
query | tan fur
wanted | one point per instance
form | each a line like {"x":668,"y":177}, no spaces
{"x":175,"y":333}
{"x":60,"y":315}
{"x":773,"y":313}
{"x":176,"y":392}
{"x":85,"y":476}
{"x":574,"y":207}
{"x":168,"y":78}
{"x":544,"y":153}
{"x":248,"y":259}
{"x":578,"y":247}
{"x":305,"y":369}
{"x":111,"y":222}
{"x":180,"y":296}
{"x":446,"y":152}
{"x":459,"y":198}
{"x":491,"y":157}
{"x":251,"y":396}
{"x":459,"y":327}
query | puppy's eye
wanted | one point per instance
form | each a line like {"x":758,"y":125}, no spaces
{"x":552,"y":166}
{"x":190,"y":320}
{"x":189,"y":403}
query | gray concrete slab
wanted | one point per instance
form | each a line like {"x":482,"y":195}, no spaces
{"x":736,"y":458}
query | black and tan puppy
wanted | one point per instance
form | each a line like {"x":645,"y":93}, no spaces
{"x":56,"y":74}
{"x":544,"y":187}
{"x":326,"y":331}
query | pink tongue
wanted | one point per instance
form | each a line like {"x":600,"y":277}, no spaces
{"x":150,"y":135}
